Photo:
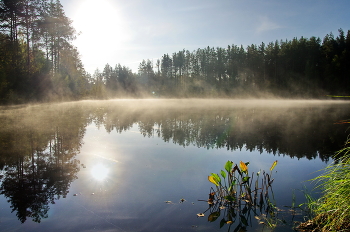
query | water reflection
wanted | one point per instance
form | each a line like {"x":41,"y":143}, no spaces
{"x":99,"y":172}
{"x":37,"y":160}
{"x":39,"y":144}
{"x":297,"y":130}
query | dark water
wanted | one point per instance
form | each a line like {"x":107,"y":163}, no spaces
{"x":112,"y":165}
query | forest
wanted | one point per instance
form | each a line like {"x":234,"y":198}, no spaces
{"x":39,"y":63}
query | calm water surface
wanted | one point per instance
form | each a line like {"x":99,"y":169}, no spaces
{"x":112,"y":165}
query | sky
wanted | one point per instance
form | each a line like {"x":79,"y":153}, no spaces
{"x":128,"y":31}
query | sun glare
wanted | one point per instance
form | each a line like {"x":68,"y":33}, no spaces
{"x":101,"y":27}
{"x":99,"y":172}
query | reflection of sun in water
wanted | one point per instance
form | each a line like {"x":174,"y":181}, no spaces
{"x":99,"y":172}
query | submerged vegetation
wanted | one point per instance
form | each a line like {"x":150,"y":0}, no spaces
{"x":238,"y":196}
{"x":332,"y":211}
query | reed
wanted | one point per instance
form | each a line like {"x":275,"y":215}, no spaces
{"x":332,"y":210}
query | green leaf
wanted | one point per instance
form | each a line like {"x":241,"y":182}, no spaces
{"x":216,"y":177}
{"x":223,"y":174}
{"x":245,"y":179}
{"x":229,"y":198}
{"x":228,"y":166}
{"x":231,"y":186}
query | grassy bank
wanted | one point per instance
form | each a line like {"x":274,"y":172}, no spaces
{"x":332,"y":210}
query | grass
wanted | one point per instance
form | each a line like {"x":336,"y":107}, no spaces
{"x":332,"y":210}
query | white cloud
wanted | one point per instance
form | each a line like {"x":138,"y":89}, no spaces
{"x":266,"y":24}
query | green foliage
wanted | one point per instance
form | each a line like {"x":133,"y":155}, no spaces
{"x":37,"y":59}
{"x":332,"y":209}
{"x":299,"y":67}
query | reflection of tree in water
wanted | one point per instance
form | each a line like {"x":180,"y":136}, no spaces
{"x":297,"y":132}
{"x":37,"y":159}
{"x":38,"y":144}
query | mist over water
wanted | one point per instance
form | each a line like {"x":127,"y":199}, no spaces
{"x":107,"y":156}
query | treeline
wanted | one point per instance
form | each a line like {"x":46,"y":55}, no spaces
{"x":119,"y":81}
{"x":296,"y":68}
{"x":38,"y":62}
{"x":37,"y":58}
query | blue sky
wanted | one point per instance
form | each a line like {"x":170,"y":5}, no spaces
{"x":127,"y":31}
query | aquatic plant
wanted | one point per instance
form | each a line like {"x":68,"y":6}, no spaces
{"x":237,"y":196}
{"x":235,"y":184}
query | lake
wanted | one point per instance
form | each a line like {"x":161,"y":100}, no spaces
{"x":143,"y":165}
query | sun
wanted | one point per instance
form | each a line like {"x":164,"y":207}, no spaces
{"x":102,"y":28}
{"x":99,"y":172}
